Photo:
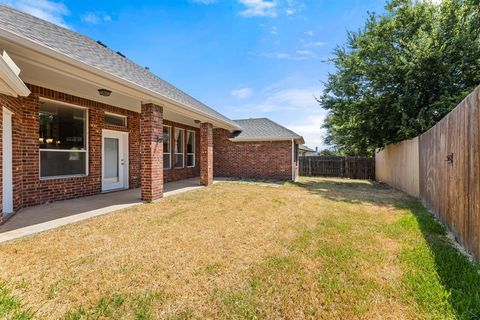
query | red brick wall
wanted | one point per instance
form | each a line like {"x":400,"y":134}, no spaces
{"x":257,"y":160}
{"x":206,"y":154}
{"x":151,"y":127}
{"x":174,"y":174}
{"x":29,"y":189}
{"x":14,"y":105}
{"x":296,"y":161}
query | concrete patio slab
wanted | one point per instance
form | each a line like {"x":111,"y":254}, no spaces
{"x":41,"y":218}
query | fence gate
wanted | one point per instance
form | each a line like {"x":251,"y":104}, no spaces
{"x":343,"y":167}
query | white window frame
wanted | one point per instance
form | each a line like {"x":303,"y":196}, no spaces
{"x":170,"y":146}
{"x":86,"y":150}
{"x":175,"y":146}
{"x":125,"y":118}
{"x":193,"y":143}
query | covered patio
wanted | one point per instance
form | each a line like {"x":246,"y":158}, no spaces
{"x":32,"y":220}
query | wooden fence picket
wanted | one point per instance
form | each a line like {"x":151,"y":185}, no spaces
{"x":342,"y":167}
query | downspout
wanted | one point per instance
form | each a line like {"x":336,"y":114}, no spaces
{"x":293,"y":159}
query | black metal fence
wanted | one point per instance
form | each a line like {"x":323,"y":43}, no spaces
{"x":343,"y":167}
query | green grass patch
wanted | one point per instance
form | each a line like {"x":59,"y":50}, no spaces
{"x":11,"y":307}
{"x":118,"y":307}
{"x":442,"y":281}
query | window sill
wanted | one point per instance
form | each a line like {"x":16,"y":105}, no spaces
{"x":115,"y":127}
{"x":64,"y":177}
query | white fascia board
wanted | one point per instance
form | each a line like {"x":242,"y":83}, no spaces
{"x":144,"y":94}
{"x":16,"y":70}
{"x":12,"y":84}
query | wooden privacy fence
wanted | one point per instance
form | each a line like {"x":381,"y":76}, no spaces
{"x":343,"y":167}
{"x":448,"y":159}
{"x":397,"y":165}
{"x":450,"y":172}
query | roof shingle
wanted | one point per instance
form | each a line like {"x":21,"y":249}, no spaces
{"x":264,"y":128}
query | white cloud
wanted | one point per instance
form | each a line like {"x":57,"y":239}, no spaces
{"x":309,"y":33}
{"x":287,"y":99}
{"x":311,"y":130}
{"x":308,"y":119}
{"x":293,"y":7}
{"x":304,"y":52}
{"x":278,"y":55}
{"x":259,"y":8}
{"x":52,"y":11}
{"x":314,"y":44}
{"x":290,"y":102}
{"x":242,"y":93}
{"x":96,"y":18}
{"x":290,"y":11}
{"x":282,"y":98}
{"x":205,"y":2}
{"x":297,"y":55}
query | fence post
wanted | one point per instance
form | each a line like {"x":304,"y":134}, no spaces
{"x":309,"y":167}
{"x":365,"y":168}
{"x":341,"y":167}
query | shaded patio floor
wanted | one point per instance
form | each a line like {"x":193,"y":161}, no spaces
{"x":40,"y":218}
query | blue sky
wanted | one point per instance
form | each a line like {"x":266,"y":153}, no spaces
{"x":245,"y":58}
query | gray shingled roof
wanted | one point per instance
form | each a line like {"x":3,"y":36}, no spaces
{"x":263,"y":128}
{"x":87,"y":50}
{"x":305,"y":148}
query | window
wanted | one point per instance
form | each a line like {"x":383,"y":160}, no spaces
{"x":190,"y":149}
{"x":167,"y":151}
{"x":179,"y":150}
{"x":115,"y":120}
{"x":62,"y":138}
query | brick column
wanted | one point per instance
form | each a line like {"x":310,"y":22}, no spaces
{"x":151,"y":147}
{"x":206,"y":154}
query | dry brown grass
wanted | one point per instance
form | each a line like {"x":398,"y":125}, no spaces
{"x":307,"y":250}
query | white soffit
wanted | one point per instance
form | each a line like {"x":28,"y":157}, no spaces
{"x":10,"y":82}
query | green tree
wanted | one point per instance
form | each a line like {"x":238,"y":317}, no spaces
{"x":328,"y":153}
{"x":401,"y":73}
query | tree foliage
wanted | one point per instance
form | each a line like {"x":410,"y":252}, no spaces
{"x":328,"y":153}
{"x":401,"y":73}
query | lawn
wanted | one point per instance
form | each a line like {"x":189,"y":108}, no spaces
{"x":320,"y":248}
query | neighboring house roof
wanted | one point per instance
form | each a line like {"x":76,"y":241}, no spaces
{"x":263,"y":129}
{"x":305,"y":148}
{"x":94,"y":54}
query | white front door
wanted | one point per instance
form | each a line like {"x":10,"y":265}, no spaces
{"x":114,"y":160}
{"x":7,"y":179}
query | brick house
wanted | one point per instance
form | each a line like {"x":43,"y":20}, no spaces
{"x":80,"y":119}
